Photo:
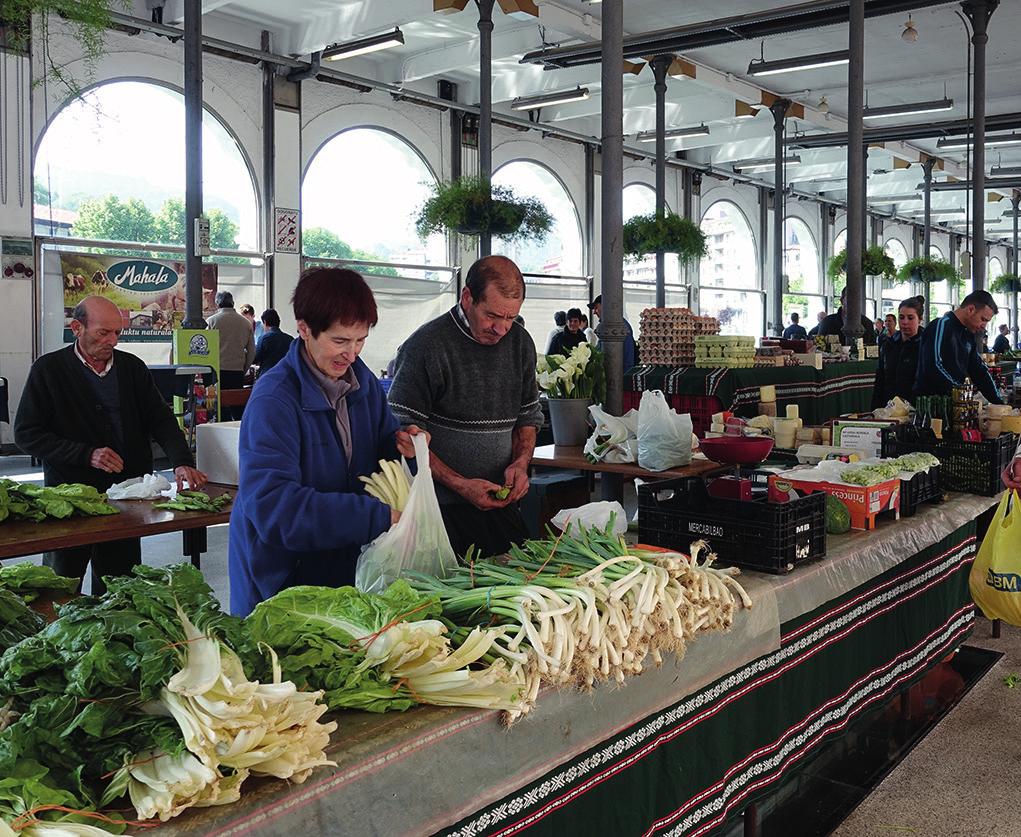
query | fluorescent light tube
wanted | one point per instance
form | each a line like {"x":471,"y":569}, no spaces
{"x":363,"y":46}
{"x":906,"y":110}
{"x":674,"y":133}
{"x":543,"y":100}
{"x":805,"y":62}
{"x":764,"y":164}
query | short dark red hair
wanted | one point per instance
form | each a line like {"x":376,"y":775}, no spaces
{"x":326,"y":296}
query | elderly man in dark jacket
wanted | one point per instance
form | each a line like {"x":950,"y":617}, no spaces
{"x":88,"y":412}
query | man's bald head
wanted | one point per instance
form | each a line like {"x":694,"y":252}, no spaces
{"x":498,"y":271}
{"x":94,"y":306}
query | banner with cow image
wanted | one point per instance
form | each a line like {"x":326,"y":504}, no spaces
{"x":150,"y":293}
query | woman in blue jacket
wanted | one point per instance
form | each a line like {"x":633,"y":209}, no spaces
{"x":315,"y":422}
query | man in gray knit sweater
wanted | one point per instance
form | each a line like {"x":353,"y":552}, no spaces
{"x":468,"y":377}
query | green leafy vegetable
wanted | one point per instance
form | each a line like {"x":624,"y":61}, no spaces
{"x":17,"y":620}
{"x":28,"y":579}
{"x":838,"y":517}
{"x":870,"y":474}
{"x":916,"y":461}
{"x":22,"y":501}
{"x":196,"y":501}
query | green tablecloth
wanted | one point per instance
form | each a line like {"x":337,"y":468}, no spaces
{"x":820,"y":395}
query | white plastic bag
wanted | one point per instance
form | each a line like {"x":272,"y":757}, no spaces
{"x":664,"y":437}
{"x":417,"y":542}
{"x":615,"y":438}
{"x":592,"y":515}
{"x":149,"y":487}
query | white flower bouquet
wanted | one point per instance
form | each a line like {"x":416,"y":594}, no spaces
{"x":582,"y":374}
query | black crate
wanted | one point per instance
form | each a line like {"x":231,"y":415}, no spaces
{"x":770,"y":537}
{"x":923,"y":487}
{"x":970,"y":467}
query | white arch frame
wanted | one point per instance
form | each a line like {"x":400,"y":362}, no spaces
{"x":168,"y":85}
{"x":574,"y":204}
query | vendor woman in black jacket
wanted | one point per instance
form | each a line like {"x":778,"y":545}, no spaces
{"x":898,"y":355}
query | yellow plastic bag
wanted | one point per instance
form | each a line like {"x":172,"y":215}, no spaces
{"x":995,"y":578}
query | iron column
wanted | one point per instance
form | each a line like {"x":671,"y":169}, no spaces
{"x":485,"y":105}
{"x":660,"y":65}
{"x":779,"y":110}
{"x":192,"y":160}
{"x":855,"y":172}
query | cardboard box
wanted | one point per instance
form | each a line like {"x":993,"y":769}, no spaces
{"x":216,"y":451}
{"x":863,"y":502}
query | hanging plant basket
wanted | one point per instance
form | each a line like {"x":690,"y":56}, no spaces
{"x":1007,"y":283}
{"x":471,"y":206}
{"x":874,"y":262}
{"x":928,"y":271}
{"x":645,"y":234}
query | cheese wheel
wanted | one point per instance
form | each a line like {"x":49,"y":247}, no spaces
{"x":767,"y":394}
{"x":937,"y":427}
{"x":998,"y":410}
{"x":792,"y":411}
{"x":1010,"y":424}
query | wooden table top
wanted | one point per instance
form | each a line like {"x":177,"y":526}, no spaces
{"x":553,"y":456}
{"x":137,"y":519}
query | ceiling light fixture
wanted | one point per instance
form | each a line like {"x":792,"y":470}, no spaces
{"x":934,"y":106}
{"x":674,"y":133}
{"x":1005,"y":171}
{"x":823,"y":106}
{"x":545,"y":100}
{"x":363,"y":46}
{"x":947,"y":143}
{"x":764,"y":164}
{"x":910,"y":34}
{"x":761,"y":67}
{"x":885,"y":199}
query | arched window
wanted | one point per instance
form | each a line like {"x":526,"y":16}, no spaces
{"x":561,"y":253}
{"x":893,"y":293}
{"x":359,"y":198}
{"x":839,"y":241}
{"x":801,"y":273}
{"x":728,"y":275}
{"x":640,"y":274}
{"x":994,"y":269}
{"x":941,"y":300}
{"x":111,"y":167}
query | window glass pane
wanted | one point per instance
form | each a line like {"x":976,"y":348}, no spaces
{"x":111,"y":167}
{"x":939,"y":291}
{"x":840,"y":242}
{"x":561,"y":253}
{"x":359,"y":200}
{"x":739,"y":312}
{"x":801,"y":271}
{"x":731,"y":259}
{"x":892,"y":290}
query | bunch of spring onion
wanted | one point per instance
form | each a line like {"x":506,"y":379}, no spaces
{"x":390,"y":484}
{"x":588,"y":608}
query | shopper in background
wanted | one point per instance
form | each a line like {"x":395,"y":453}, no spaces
{"x":898,"y":355}
{"x":630,"y":354}
{"x":1012,"y":473}
{"x":248,"y":312}
{"x":89,"y":412}
{"x":834,"y":324}
{"x":468,"y":377}
{"x":589,"y":332}
{"x":949,"y":351}
{"x":274,"y":344}
{"x":569,"y":336}
{"x":814,"y":330}
{"x":316,"y":422}
{"x":1002,"y":342}
{"x":795,"y":331}
{"x":560,"y":318}
{"x":237,"y":347}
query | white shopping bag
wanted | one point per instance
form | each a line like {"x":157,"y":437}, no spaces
{"x":417,"y":542}
{"x":664,"y":436}
{"x":592,"y":516}
{"x":615,"y":438}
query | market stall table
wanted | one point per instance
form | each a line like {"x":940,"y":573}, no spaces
{"x":555,"y":456}
{"x":680,"y":750}
{"x":820,"y":395}
{"x":137,"y":519}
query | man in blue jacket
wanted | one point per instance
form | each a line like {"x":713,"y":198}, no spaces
{"x":316,"y":422}
{"x":949,"y":351}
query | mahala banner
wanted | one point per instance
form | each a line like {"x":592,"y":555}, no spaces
{"x":149,"y":292}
